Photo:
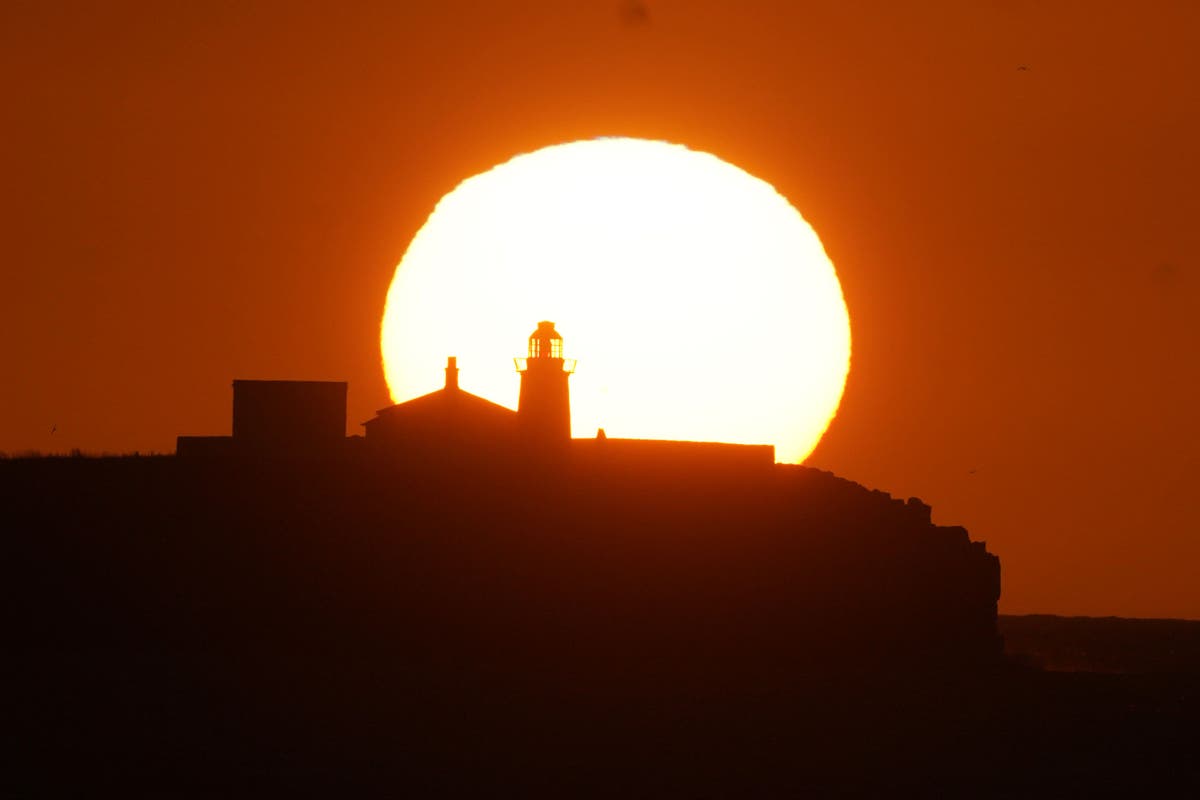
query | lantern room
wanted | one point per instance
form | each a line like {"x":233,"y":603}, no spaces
{"x":545,"y":342}
{"x":545,"y":350}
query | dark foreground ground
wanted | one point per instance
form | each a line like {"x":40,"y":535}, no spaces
{"x":192,"y":723}
{"x":522,"y":626}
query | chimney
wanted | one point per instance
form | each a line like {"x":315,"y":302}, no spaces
{"x":452,"y":373}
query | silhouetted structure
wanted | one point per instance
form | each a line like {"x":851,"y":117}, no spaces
{"x":631,"y":456}
{"x":282,"y":414}
{"x":450,"y":421}
{"x":302,"y":418}
{"x":278,"y":418}
{"x":544,"y":407}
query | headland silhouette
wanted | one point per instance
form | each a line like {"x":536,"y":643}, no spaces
{"x":465,"y":599}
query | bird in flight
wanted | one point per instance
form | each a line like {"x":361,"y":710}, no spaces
{"x":53,"y":428}
{"x":1023,"y":68}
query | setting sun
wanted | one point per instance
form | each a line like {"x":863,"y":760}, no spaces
{"x":698,"y":302}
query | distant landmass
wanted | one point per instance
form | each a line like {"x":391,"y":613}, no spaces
{"x":1103,"y":644}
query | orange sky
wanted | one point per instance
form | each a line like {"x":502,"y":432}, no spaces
{"x":193,"y":194}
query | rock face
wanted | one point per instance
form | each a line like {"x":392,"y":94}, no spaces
{"x":530,"y":567}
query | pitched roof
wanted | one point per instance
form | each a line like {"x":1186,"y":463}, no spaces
{"x":449,"y":401}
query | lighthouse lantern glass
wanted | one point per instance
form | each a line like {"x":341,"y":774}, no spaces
{"x":545,"y":342}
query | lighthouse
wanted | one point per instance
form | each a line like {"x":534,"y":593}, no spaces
{"x":544,"y":406}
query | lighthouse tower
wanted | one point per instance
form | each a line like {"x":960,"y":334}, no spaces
{"x":544,"y":407}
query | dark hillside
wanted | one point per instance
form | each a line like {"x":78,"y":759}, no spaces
{"x":1104,"y":644}
{"x":449,"y":626}
{"x":521,"y":557}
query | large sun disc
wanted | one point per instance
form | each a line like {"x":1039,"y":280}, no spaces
{"x":698,"y":302}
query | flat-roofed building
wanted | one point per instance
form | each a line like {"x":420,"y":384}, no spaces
{"x":284,"y":414}
{"x":278,"y":418}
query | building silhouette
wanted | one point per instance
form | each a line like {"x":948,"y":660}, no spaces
{"x":280,"y":418}
{"x":449,"y":419}
{"x":307,"y":419}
